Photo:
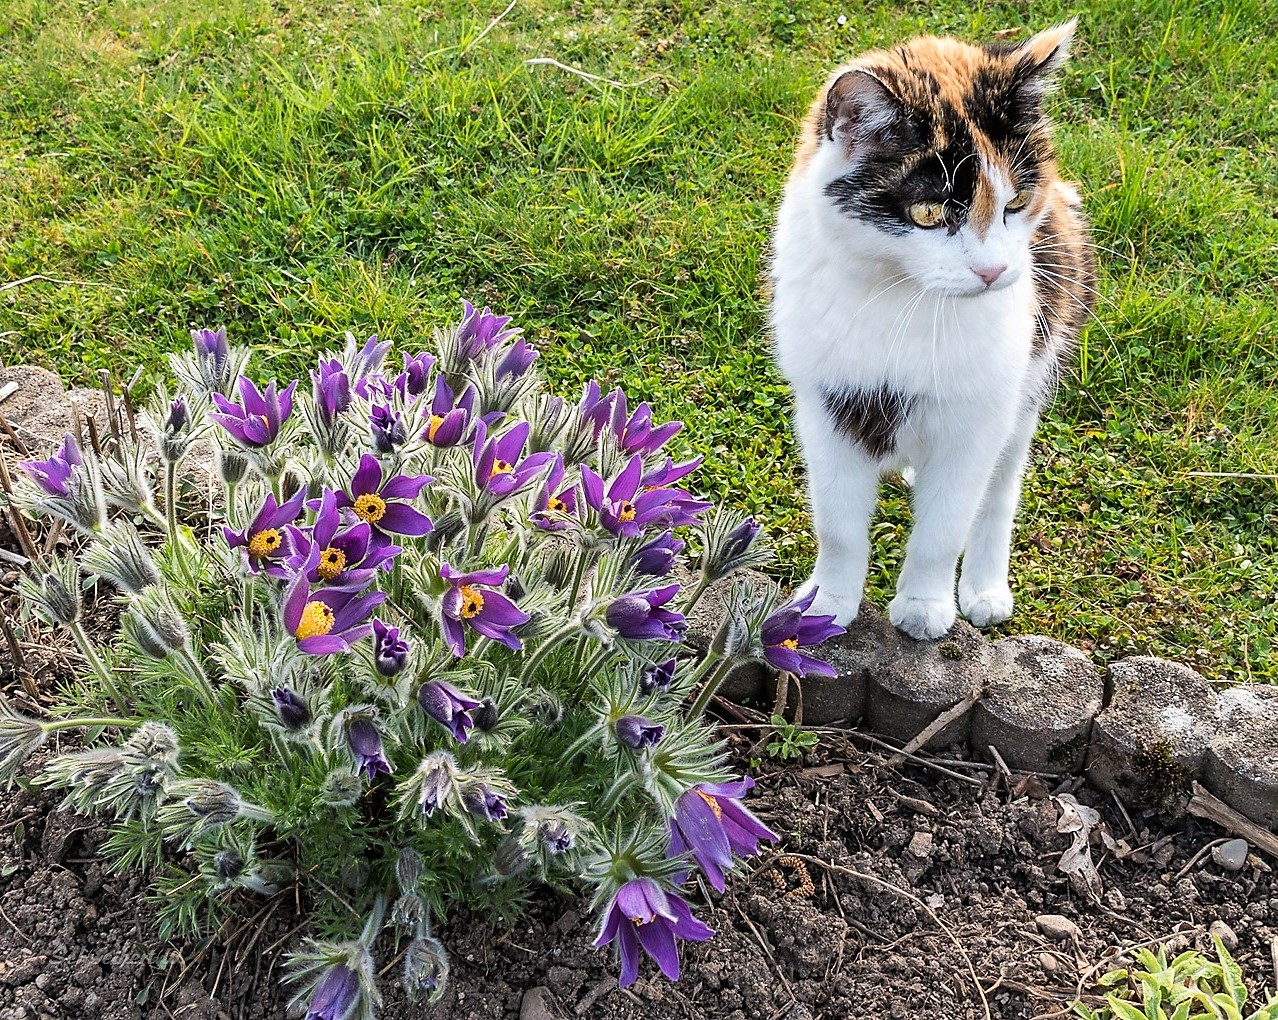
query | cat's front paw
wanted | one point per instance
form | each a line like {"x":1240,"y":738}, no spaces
{"x":828,"y":603}
{"x":922,"y":618}
{"x":986,"y":608}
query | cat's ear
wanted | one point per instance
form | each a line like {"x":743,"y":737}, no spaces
{"x":861,"y":110}
{"x":1040,"y":57}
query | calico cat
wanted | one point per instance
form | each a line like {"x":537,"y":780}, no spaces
{"x":930,"y":274}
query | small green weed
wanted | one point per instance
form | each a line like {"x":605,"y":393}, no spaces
{"x":1190,"y":987}
{"x":790,"y":740}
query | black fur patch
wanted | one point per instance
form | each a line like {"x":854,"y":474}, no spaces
{"x":870,"y":418}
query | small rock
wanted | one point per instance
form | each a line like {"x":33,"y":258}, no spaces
{"x":1056,"y":927}
{"x":1225,"y":933}
{"x":921,"y":845}
{"x":537,"y":1005}
{"x":1232,"y":855}
{"x":1048,"y":962}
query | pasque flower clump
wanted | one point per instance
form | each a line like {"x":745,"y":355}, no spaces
{"x":420,"y":646}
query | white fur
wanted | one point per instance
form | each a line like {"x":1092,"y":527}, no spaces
{"x":855,"y":308}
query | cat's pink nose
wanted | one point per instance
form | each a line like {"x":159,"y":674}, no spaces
{"x":989,"y":273}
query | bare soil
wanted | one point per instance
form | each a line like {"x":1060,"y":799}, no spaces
{"x":957,"y":873}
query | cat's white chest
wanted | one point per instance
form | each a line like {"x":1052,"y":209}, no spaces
{"x":842,"y":324}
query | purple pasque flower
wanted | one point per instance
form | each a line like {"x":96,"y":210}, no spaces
{"x":256,"y":420}
{"x":211,"y":348}
{"x":485,"y":802}
{"x":364,"y":361}
{"x":635,"y":434}
{"x":52,"y":475}
{"x":516,"y":361}
{"x":471,"y":599}
{"x":267,"y":541}
{"x":788,"y":629}
{"x":498,"y":469}
{"x":293,"y":711}
{"x":636,"y":732}
{"x":482,"y":331}
{"x":449,"y":414}
{"x":449,"y":707}
{"x":596,"y":407}
{"x":344,"y":559}
{"x":640,"y":616}
{"x":365,"y":745}
{"x":328,"y":620}
{"x":711,"y":823}
{"x":657,"y":558}
{"x":658,"y":678}
{"x":417,"y":368}
{"x":335,"y":996}
{"x":554,"y":502}
{"x":378,"y":502}
{"x":668,"y":473}
{"x":332,"y":389}
{"x":625,"y":508}
{"x":390,"y":651}
{"x":643,"y":915}
{"x":387,"y":428}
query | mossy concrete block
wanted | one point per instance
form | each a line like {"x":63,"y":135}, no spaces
{"x":1240,"y":765}
{"x":1150,"y":742}
{"x":1039,"y":705}
{"x":909,"y":683}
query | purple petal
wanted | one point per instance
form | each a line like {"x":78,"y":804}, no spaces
{"x":402,"y":519}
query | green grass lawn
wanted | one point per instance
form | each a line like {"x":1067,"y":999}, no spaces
{"x":296,"y":169}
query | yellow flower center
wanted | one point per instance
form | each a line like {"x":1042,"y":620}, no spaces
{"x":472,"y":601}
{"x":436,"y":420}
{"x":556,"y":504}
{"x":627,"y":511}
{"x":500,"y":467}
{"x":263,"y":543}
{"x":317,"y":620}
{"x":331,"y":563}
{"x":370,"y":508}
{"x":714,"y":804}
{"x":791,"y":643}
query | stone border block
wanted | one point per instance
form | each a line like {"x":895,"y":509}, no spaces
{"x":1240,"y":765}
{"x":910,"y":683}
{"x":1039,"y":705}
{"x":1150,"y":742}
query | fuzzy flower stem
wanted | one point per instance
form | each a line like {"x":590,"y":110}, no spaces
{"x":695,"y":597}
{"x":231,"y":487}
{"x":583,"y":567}
{"x":720,"y":674}
{"x":170,"y":499}
{"x":66,"y":724}
{"x":197,"y":672}
{"x":545,"y":648}
{"x":96,"y":664}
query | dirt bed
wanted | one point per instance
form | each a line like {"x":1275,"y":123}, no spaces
{"x":950,"y":864}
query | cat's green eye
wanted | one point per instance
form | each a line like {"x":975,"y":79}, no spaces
{"x":927,"y":214}
{"x":1019,"y":201}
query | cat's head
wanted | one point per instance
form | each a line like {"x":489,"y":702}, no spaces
{"x":937,"y":158}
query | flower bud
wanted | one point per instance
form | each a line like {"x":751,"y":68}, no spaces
{"x":228,"y":864}
{"x":510,"y":859}
{"x":636,"y":732}
{"x":293,"y":711}
{"x":485,"y":715}
{"x":155,"y":742}
{"x":341,"y":788}
{"x":125,"y":481}
{"x":408,"y":911}
{"x":483,"y":801}
{"x":545,"y":708}
{"x":436,"y":781}
{"x":336,"y":994}
{"x":409,"y":870}
{"x":387,"y":428}
{"x":212,"y":801}
{"x":119,"y":556}
{"x":390,"y":651}
{"x":425,"y":969}
{"x":232,"y":466}
{"x":142,"y":637}
{"x":55,"y":596}
{"x":734,"y":638}
{"x":731,"y":544}
{"x":20,"y":736}
{"x":658,"y":678}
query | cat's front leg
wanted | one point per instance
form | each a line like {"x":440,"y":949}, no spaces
{"x":842,"y":488}
{"x":948,"y":489}
{"x":985,"y":596}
